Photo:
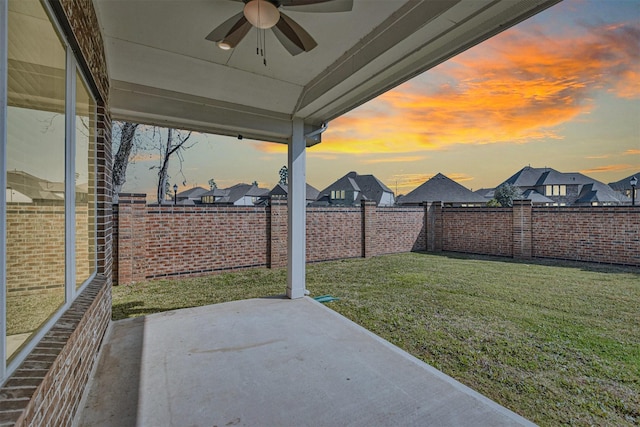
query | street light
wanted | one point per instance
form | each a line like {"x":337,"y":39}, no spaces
{"x":633,"y":182}
{"x":175,"y":194}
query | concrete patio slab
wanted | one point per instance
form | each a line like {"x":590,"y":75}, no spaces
{"x":270,"y":362}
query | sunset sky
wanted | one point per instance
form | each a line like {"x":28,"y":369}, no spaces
{"x":561,"y":89}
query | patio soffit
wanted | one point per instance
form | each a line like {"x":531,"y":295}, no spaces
{"x":164,"y":72}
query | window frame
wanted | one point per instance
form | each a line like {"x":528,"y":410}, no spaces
{"x":73,"y":68}
{"x":4,"y":58}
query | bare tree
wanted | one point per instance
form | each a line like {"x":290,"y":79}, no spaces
{"x":121,"y":159}
{"x":174,"y":145}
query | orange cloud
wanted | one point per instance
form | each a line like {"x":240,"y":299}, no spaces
{"x":517,"y":88}
{"x":604,"y":156}
{"x":632,"y":152}
{"x":401,"y":159}
{"x":269,"y":147}
{"x":607,"y":168}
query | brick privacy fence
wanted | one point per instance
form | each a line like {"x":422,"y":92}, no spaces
{"x":603,"y":234}
{"x":610,"y":234}
{"x":154,"y":241}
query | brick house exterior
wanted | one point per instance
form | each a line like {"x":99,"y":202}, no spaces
{"x":46,"y":387}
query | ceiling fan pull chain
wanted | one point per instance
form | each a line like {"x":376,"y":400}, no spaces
{"x":264,"y":46}
{"x":257,"y":41}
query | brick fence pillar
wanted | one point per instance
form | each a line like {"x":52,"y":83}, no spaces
{"x":278,"y":233}
{"x":522,"y":235}
{"x":131,"y":240}
{"x":369,"y":224}
{"x":433,"y":219}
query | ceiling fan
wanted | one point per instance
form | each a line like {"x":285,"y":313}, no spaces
{"x":265,"y":14}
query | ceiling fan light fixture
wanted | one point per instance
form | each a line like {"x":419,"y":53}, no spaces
{"x":261,"y":13}
{"x":224,"y":45}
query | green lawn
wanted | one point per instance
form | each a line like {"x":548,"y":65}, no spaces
{"x":558,"y":343}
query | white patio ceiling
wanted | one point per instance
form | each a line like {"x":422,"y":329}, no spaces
{"x":164,"y":72}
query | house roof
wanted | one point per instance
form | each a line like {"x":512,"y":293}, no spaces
{"x":368,"y":187}
{"x":599,"y":192}
{"x":624,"y":183}
{"x":216,"y":192}
{"x":312,"y":193}
{"x":164,"y":72}
{"x":236,"y":192}
{"x":443,"y":189}
{"x":590,"y":189}
{"x":536,"y":177}
{"x":191,"y":193}
{"x":528,"y":176}
{"x":536,"y":197}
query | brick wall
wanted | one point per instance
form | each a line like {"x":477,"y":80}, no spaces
{"x":167,"y":241}
{"x":477,"y":230}
{"x":47,"y":386}
{"x":400,"y":229}
{"x":190,"y":241}
{"x":194,"y":241}
{"x":609,"y":234}
{"x":334,"y":233}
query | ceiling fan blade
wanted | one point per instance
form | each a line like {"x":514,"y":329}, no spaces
{"x":231,"y":31}
{"x":292,"y":36}
{"x":322,"y":6}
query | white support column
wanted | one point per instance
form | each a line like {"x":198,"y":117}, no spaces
{"x":296,"y":233}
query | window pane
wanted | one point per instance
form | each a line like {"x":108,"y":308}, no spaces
{"x":85,"y":182}
{"x":35,"y":172}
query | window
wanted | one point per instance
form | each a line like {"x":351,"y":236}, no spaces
{"x":555,"y":190}
{"x":337,"y":195}
{"x":49,"y":214}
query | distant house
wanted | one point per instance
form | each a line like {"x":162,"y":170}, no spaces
{"x":190,"y":196}
{"x":282,"y":190}
{"x":212,"y":196}
{"x":623,"y":186}
{"x":547,"y":186}
{"x":442,"y":189}
{"x":238,"y":195}
{"x":352,"y":188}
